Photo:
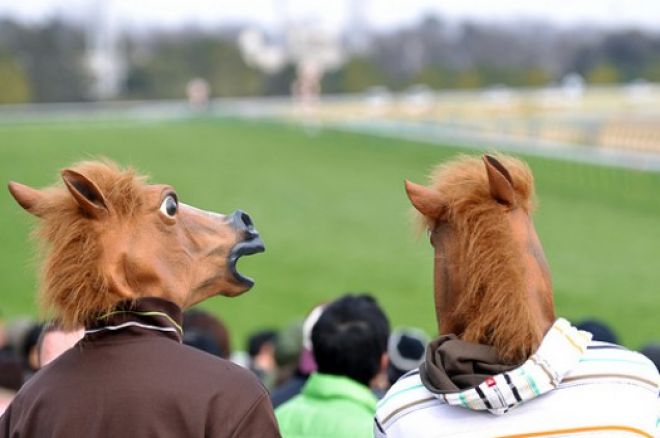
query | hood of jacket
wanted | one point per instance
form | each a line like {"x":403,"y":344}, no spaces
{"x":470,"y":375}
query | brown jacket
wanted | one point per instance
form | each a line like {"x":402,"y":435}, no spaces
{"x":131,"y":377}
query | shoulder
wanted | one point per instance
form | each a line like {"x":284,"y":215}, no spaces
{"x":231,"y":389}
{"x":287,"y":391}
{"x":603,"y":361}
{"x":405,"y":397}
{"x":220,"y":373}
{"x":294,"y":407}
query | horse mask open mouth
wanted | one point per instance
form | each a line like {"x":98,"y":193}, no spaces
{"x":251,"y":244}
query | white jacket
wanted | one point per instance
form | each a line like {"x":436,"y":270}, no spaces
{"x":571,"y":386}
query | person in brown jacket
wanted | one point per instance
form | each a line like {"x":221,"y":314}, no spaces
{"x":123,"y":259}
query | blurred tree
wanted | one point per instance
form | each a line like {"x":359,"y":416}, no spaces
{"x":230,"y":75}
{"x":358,"y":74}
{"x":51,"y":59}
{"x":279,"y":84}
{"x":468,"y":79}
{"x":628,"y":52}
{"x":52,"y":56}
{"x":616,"y":57}
{"x":14,"y":84}
{"x":652,"y":70}
{"x":435,"y":77}
{"x":164,"y":68}
{"x":605,"y":73}
{"x":537,"y":77}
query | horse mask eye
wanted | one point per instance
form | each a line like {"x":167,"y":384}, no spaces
{"x":169,"y":206}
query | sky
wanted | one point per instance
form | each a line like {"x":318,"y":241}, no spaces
{"x":335,"y":14}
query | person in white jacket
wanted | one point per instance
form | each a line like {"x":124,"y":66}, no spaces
{"x":504,"y":365}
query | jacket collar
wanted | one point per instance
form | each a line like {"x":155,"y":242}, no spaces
{"x":141,"y":316}
{"x":327,"y":386}
{"x":468,"y":376}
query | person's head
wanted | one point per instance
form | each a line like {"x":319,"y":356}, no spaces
{"x":350,"y":338}
{"x":405,"y":349}
{"x":16,"y":331}
{"x":201,"y":341}
{"x":288,"y":345}
{"x":3,"y":337}
{"x":29,"y":349}
{"x":206,"y":328}
{"x":306,"y":362}
{"x":600,"y":330}
{"x":53,"y":341}
{"x":11,"y":372}
{"x":261,"y":348}
{"x":652,"y":351}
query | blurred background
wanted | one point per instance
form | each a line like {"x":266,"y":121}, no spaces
{"x":309,"y":115}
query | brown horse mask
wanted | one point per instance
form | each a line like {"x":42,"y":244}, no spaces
{"x":492,"y":281}
{"x":111,"y":237}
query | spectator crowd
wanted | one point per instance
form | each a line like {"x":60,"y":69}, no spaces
{"x":325,"y":372}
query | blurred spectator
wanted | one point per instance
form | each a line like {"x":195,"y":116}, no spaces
{"x":652,"y":351}
{"x":3,"y":336}
{"x":11,"y":372}
{"x":198,"y":93}
{"x":29,"y":351}
{"x":261,"y":348}
{"x":240,"y":357}
{"x":288,"y":346}
{"x":15,"y":332}
{"x":305,"y":362}
{"x":206,"y":332}
{"x":6,"y":397}
{"x":53,"y":341}
{"x":600,"y":330}
{"x":349,"y":343}
{"x":405,"y":350}
{"x":201,"y":341}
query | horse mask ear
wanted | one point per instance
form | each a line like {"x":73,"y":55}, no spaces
{"x":27,"y":197}
{"x":426,"y":201}
{"x":87,"y":194}
{"x":499,"y":179}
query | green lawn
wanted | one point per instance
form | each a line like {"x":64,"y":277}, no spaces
{"x":334,"y":216}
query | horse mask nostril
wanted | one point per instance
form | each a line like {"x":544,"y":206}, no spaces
{"x":245,"y":218}
{"x":243,"y":222}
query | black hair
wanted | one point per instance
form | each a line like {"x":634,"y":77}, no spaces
{"x":202,"y":341}
{"x":599,"y":329}
{"x":30,"y":342}
{"x":350,"y":338}
{"x":211,"y":327}
{"x":652,"y":351}
{"x":259,"y":339}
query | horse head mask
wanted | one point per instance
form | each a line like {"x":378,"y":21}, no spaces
{"x":108,"y":237}
{"x":492,"y":281}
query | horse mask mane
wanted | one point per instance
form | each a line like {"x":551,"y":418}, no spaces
{"x":492,"y":282}
{"x":106,"y":236}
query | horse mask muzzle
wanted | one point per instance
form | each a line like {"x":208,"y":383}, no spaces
{"x":251,"y":243}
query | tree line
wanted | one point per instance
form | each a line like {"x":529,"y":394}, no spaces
{"x":48,"y":62}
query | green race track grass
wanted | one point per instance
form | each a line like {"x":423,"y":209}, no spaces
{"x":332,"y":211}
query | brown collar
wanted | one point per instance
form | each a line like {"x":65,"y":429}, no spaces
{"x":452,"y":365}
{"x":142,"y":316}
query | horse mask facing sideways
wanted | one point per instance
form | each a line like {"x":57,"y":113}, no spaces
{"x":492,"y":281}
{"x":110,"y":237}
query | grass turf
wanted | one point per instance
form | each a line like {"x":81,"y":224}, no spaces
{"x":332,"y":211}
